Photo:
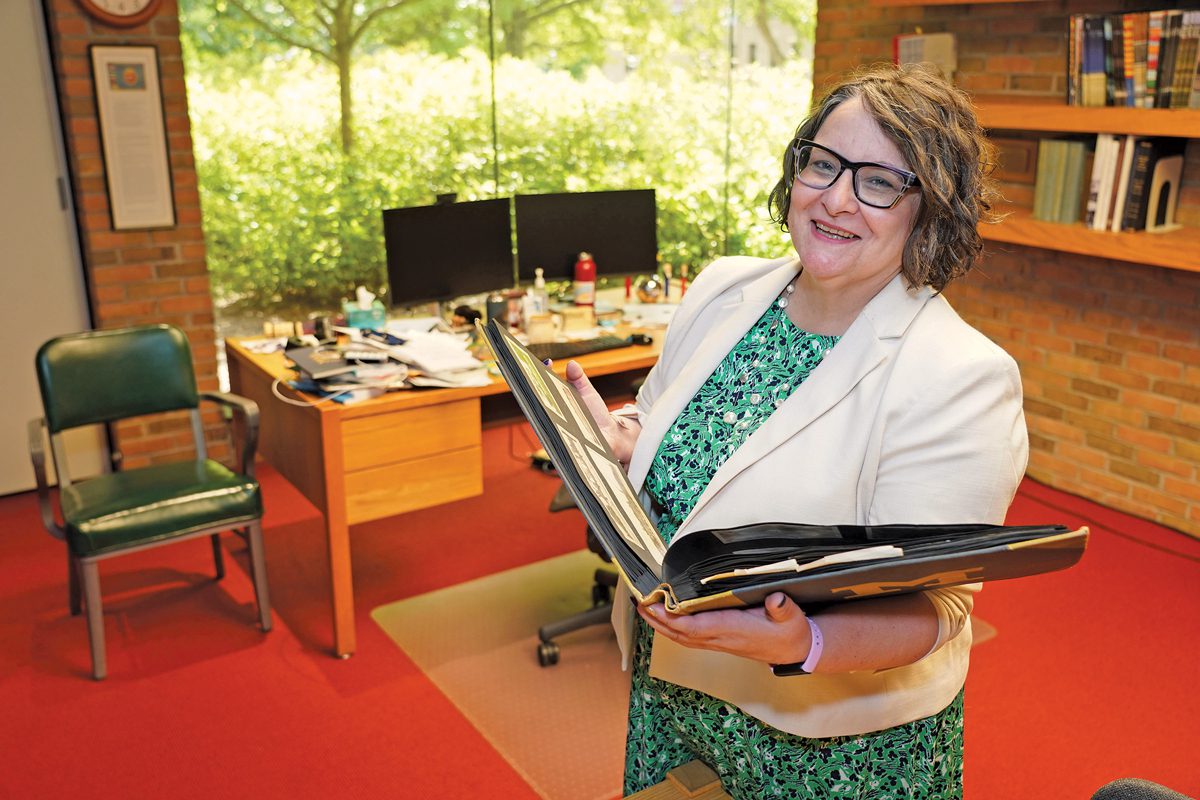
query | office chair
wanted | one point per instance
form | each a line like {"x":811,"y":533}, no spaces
{"x":604,"y":581}
{"x":99,"y":377}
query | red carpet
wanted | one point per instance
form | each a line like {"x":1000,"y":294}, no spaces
{"x":1090,"y":678}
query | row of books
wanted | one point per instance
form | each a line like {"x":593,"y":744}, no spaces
{"x":1114,"y":183}
{"x":1141,"y":59}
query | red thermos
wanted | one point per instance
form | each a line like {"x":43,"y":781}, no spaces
{"x":585,"y":280}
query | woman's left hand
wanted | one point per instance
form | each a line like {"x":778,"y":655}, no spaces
{"x":776,"y":632}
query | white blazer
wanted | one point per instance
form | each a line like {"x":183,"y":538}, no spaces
{"x":913,"y":417}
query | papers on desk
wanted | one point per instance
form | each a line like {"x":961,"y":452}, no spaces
{"x":405,"y":325}
{"x":327,"y":373}
{"x":434,"y":352}
{"x":264,"y":346}
{"x":443,"y":359}
{"x":343,"y":393}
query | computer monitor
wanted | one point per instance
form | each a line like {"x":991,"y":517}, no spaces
{"x":618,"y":228}
{"x":447,"y":250}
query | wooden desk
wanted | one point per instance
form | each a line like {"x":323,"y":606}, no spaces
{"x":374,"y":459}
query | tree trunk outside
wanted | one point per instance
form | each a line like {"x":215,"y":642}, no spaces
{"x":763,"y":20}
{"x":343,"y":68}
{"x":514,"y":34}
{"x":343,"y":53}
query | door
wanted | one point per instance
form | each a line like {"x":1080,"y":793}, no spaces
{"x":41,"y":275}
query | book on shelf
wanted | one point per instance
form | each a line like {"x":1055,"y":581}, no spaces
{"x":1108,"y":148}
{"x":1153,"y":48}
{"x":1186,"y":53}
{"x":1043,"y":181}
{"x":1070,"y":202}
{"x":1134,"y":216}
{"x":1114,"y":60}
{"x":1120,"y":194}
{"x":940,"y":49}
{"x":739,"y":567}
{"x":1121,"y":179}
{"x":1125,"y":54}
{"x":1060,"y":183}
{"x":1137,"y":31}
{"x":1137,"y":59}
{"x":1172,"y":22}
{"x":1074,"y":56}
{"x":1092,"y":81}
{"x":1097,"y":192}
{"x":1147,"y":153}
{"x":1194,"y":95}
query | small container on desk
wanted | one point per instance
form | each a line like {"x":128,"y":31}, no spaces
{"x":373,"y":318}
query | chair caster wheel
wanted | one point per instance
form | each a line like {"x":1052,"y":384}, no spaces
{"x":547,"y":654}
{"x":600,"y":596}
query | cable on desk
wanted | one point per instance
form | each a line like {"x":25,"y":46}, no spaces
{"x":294,"y":402}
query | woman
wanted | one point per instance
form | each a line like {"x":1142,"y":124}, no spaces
{"x":834,"y":387}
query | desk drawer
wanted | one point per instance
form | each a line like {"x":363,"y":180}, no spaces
{"x":414,"y":433}
{"x":418,"y":483}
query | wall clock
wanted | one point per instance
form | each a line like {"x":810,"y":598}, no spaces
{"x":121,"y":13}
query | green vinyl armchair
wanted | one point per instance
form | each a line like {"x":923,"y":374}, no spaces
{"x":108,"y":375}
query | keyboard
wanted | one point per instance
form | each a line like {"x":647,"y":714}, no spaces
{"x":558,"y":351}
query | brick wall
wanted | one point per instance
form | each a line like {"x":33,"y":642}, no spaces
{"x":1109,"y":351}
{"x":138,"y":276}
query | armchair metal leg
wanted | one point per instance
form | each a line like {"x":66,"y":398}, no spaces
{"x":258,"y":569}
{"x":218,"y":555}
{"x":95,"y":617}
{"x":74,"y":599}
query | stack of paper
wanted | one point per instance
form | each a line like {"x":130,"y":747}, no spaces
{"x":443,"y":359}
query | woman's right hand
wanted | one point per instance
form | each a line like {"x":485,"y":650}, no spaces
{"x":621,"y":433}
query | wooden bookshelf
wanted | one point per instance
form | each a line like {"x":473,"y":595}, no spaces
{"x":1178,"y":249}
{"x":996,"y":114}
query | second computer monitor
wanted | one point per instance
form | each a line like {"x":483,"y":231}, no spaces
{"x":618,"y":228}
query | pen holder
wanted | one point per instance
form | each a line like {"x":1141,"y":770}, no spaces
{"x":373,"y":318}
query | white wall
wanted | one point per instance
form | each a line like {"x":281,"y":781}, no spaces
{"x":41,"y":276}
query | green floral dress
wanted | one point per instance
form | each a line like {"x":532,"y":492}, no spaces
{"x":670,"y":725}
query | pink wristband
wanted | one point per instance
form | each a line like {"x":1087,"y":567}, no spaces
{"x":810,"y":662}
{"x":814,"y":651}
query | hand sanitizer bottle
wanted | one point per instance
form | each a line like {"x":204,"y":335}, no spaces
{"x":541,"y":301}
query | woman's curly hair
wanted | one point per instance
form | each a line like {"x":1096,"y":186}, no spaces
{"x":934,"y":125}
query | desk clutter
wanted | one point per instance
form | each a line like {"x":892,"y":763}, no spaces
{"x":369,"y":363}
{"x":337,"y":361}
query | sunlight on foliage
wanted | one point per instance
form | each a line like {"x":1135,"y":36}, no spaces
{"x":293,"y":223}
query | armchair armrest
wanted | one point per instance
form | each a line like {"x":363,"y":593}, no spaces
{"x":37,"y":454}
{"x":249,"y":411}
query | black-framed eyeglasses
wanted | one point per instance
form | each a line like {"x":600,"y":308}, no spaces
{"x":876,"y":185}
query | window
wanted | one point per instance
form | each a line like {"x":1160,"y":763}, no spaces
{"x":297,"y":158}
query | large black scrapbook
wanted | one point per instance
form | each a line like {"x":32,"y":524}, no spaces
{"x":737,"y":567}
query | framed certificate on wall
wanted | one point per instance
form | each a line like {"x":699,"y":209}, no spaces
{"x":133,"y":136}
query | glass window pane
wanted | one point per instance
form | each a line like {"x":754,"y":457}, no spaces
{"x":298,"y":156}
